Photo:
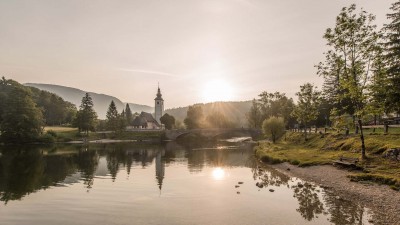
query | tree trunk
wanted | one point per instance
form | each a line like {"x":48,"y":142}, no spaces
{"x":362,"y":140}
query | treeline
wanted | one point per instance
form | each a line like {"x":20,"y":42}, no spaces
{"x":232,"y":111}
{"x":24,"y":111}
{"x":361,"y":73}
{"x":196,"y":119}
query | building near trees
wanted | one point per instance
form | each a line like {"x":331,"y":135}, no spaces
{"x":146,"y":120}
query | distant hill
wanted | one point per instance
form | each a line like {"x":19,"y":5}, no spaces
{"x":100,"y":101}
{"x":233,"y":111}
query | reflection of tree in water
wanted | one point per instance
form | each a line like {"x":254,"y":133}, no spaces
{"x":267,"y":176}
{"x":24,"y":170}
{"x":21,"y":173}
{"x":87,"y":162}
{"x":343,"y":212}
{"x":309,"y":203}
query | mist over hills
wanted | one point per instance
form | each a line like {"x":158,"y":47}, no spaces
{"x":233,"y":111}
{"x":100,"y":101}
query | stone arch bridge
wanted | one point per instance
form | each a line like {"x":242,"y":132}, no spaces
{"x":213,"y":132}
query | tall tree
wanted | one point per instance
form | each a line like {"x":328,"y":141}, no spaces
{"x":128,"y":114}
{"x":86,"y":116}
{"x":392,"y":46}
{"x":168,"y":121}
{"x":112,"y":117}
{"x":254,"y":116}
{"x":276,"y":104}
{"x":353,"y":42}
{"x":195,"y":117}
{"x":307,"y":107}
{"x":22,"y":120}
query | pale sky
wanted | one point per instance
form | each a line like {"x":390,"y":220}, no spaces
{"x":124,"y":48}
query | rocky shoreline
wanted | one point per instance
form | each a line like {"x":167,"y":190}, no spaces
{"x":383,"y":201}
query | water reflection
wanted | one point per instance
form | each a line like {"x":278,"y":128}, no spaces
{"x":25,"y":170}
{"x":313,"y":201}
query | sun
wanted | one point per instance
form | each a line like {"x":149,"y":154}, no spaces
{"x":217,"y":90}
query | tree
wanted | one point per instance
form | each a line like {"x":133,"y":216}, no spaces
{"x":254,"y":116}
{"x":86,"y":116}
{"x":22,"y":120}
{"x":307,"y":106}
{"x":218,"y":120}
{"x":353,"y":45}
{"x":168,"y":121}
{"x":128,"y":114}
{"x":112,"y":117}
{"x":194,"y":118}
{"x":392,"y":46}
{"x":278,"y":105}
{"x":274,"y":127}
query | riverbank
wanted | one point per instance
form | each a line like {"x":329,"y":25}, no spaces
{"x":380,"y":198}
{"x":321,"y":149}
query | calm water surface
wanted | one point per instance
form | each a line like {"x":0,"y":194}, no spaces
{"x":159,"y":184}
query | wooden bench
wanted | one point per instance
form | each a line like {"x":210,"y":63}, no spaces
{"x":346,"y":161}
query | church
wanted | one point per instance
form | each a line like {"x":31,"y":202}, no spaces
{"x":146,"y":120}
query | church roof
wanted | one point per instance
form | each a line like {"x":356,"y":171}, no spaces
{"x":143,"y":119}
{"x":139,"y":121}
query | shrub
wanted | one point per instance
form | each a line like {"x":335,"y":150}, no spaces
{"x":274,"y":127}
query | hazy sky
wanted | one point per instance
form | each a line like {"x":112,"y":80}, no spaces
{"x":123,"y":48}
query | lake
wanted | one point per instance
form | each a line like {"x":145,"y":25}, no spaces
{"x":170,"y":183}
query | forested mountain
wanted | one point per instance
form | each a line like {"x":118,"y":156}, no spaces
{"x":101,"y":101}
{"x":233,"y":111}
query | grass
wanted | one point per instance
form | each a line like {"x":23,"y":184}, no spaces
{"x":60,"y":129}
{"x":67,"y":134}
{"x":323,"y":149}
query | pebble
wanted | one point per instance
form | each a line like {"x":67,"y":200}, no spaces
{"x":240,"y":182}
{"x":271,"y":190}
{"x":238,"y":192}
{"x":236,"y":186}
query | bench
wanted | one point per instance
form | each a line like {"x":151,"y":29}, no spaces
{"x":346,"y":161}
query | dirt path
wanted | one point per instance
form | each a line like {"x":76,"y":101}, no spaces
{"x":384,"y":201}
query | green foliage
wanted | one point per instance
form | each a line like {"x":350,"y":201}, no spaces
{"x":278,"y":105}
{"x":307,"y":108}
{"x":112,"y":117}
{"x":86,"y":117}
{"x":274,"y":127}
{"x":21,"y":120}
{"x":354,"y":53}
{"x":56,"y":111}
{"x":392,"y":56}
{"x":128,"y":114}
{"x":254,"y":116}
{"x":168,"y":121}
{"x":194,"y":118}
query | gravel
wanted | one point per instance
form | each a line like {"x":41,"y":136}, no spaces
{"x":383,"y":201}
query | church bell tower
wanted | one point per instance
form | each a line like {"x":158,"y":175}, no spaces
{"x":158,"y":106}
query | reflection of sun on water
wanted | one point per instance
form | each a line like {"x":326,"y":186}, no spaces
{"x":218,"y":173}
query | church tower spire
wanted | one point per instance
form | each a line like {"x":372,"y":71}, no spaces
{"x":158,"y":105}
